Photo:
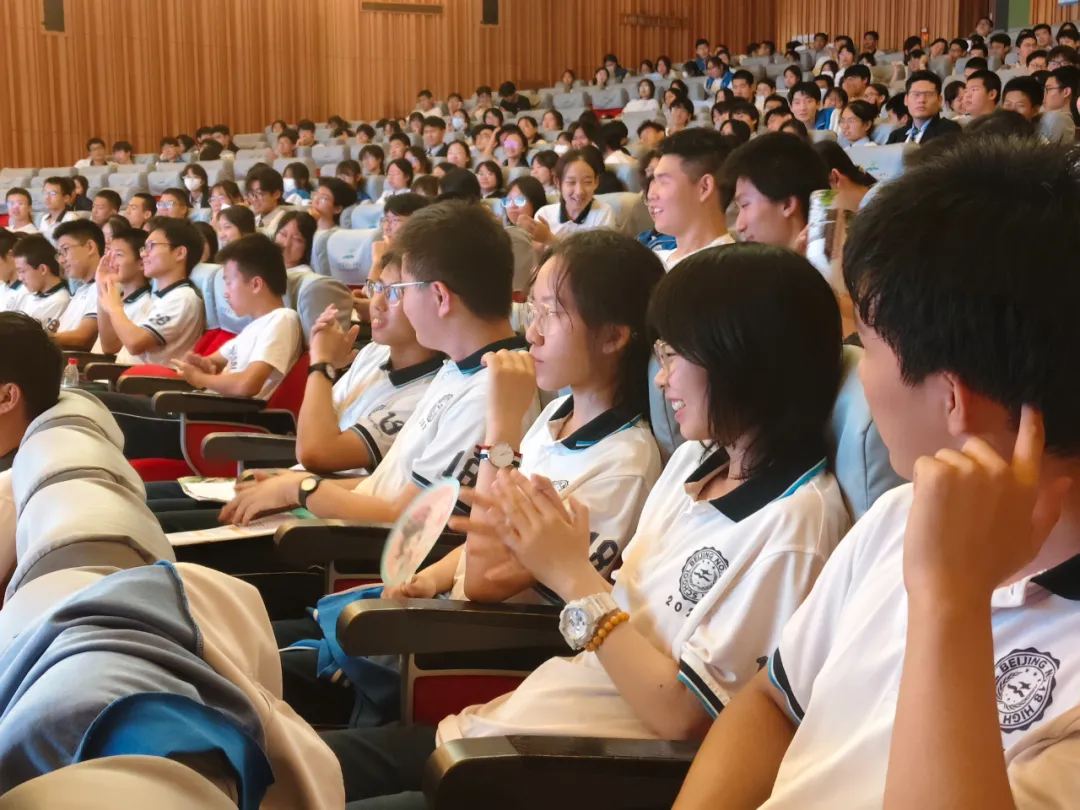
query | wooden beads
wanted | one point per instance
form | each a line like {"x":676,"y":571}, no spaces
{"x":612,"y":622}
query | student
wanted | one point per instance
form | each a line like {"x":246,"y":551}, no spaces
{"x":433,"y":134}
{"x":936,"y":643}
{"x":295,"y":235}
{"x":296,"y":184}
{"x":174,"y":204}
{"x":399,"y":142}
{"x":685,"y":196}
{"x":719,"y":75}
{"x":457,"y":154}
{"x":38,"y":271}
{"x":805,"y":106}
{"x":771,"y":179}
{"x":95,"y":154}
{"x":57,"y":193}
{"x":513,"y":102}
{"x":350,"y":173}
{"x":106,"y":204}
{"x":140,"y":208}
{"x":224,"y":195}
{"x":543,"y":169}
{"x":234,"y":223}
{"x":552,"y":121}
{"x":332,"y":196}
{"x":857,"y":123}
{"x":80,"y":246}
{"x":305,"y":130}
{"x":19,"y":205}
{"x":742,"y":85}
{"x":646,"y":101}
{"x":856,"y":80}
{"x":1024,"y":95}
{"x":1025,"y":44}
{"x":850,"y":183}
{"x":173,"y":318}
{"x":264,"y":192}
{"x":418,"y":160}
{"x":223,"y":137}
{"x":577,"y":173}
{"x":197,"y":184}
{"x":252,"y":364}
{"x":982,"y":93}
{"x":491,"y":179}
{"x":514,"y":148}
{"x":524,"y":197}
{"x":169,"y":151}
{"x":457,"y":275}
{"x":701,"y":54}
{"x":746,"y":112}
{"x":680,"y":114}
{"x":371,"y":160}
{"x":1037,"y":62}
{"x":898,"y":114}
{"x":121,"y":153}
{"x":923,"y":100}
{"x":613,"y":139}
{"x":399,"y":177}
{"x":122,"y":269}
{"x":705,"y":557}
{"x":1059,"y":91}
{"x":12,"y":291}
{"x":79,"y":200}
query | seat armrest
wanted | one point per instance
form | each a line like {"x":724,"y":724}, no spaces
{"x":323,"y":541}
{"x":107,"y":372}
{"x":83,"y":358}
{"x":418,"y":626}
{"x":571,"y":773}
{"x":148,"y":386}
{"x":196,"y":402}
{"x":245,"y":447}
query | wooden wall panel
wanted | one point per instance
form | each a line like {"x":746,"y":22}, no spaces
{"x":1048,"y":11}
{"x":894,"y":20}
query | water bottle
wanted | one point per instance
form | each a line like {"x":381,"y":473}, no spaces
{"x":71,"y":374}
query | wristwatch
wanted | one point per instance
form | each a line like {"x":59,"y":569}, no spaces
{"x":581,"y":618}
{"x":307,"y":488}
{"x":325,"y":369}
{"x":500,"y":455}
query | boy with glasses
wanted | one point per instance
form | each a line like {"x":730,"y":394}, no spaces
{"x":57,"y":193}
{"x":176,"y":317}
{"x":264,"y":189}
{"x":80,"y":246}
{"x":19,"y":204}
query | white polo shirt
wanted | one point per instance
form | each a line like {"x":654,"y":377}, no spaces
{"x":708,"y":583}
{"x":609,"y":464}
{"x":46,"y":228}
{"x":274,"y":339}
{"x":597,"y":214}
{"x":83,"y":304}
{"x":28,"y":228}
{"x":268,"y":223}
{"x":840,"y":659}
{"x":666,"y":255}
{"x":449,"y":422}
{"x":176,"y":317}
{"x":47,"y":307}
{"x":136,"y":306}
{"x":12,"y":296}
{"x":375,"y":400}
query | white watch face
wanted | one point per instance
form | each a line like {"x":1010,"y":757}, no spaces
{"x":576,"y":626}
{"x":501,"y":455}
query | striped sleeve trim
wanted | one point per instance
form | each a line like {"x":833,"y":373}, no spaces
{"x":157,"y":335}
{"x":780,"y":680}
{"x":698,"y":681}
{"x":459,"y":508}
{"x":369,"y":440}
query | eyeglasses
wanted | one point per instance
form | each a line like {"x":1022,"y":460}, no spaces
{"x":219,"y":198}
{"x":1052,"y":87}
{"x":396,"y":292}
{"x":149,"y":246}
{"x":322,"y":198}
{"x":165,"y":206}
{"x":923,"y":94}
{"x":49,"y":193}
{"x":664,"y":354}
{"x":517,"y":201}
{"x":255,"y":195}
{"x":533,"y":314}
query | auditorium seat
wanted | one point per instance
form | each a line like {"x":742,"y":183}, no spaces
{"x":283,"y":163}
{"x":158,"y":182}
{"x":575,"y":100}
{"x":256,"y":140}
{"x":883,"y":162}
{"x":822,"y":135}
{"x":332,"y":153}
{"x":217,"y":170}
{"x":631,"y":214}
{"x":348,"y":255}
{"x":628,"y":174}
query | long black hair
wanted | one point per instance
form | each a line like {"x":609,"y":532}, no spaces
{"x":765,"y":327}
{"x":610,"y":278}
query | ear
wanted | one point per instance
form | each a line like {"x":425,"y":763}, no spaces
{"x":258,"y":284}
{"x":10,"y":398}
{"x":443,"y":298}
{"x":834,"y":178}
{"x":614,"y":338}
{"x":791,"y":207}
{"x":707,"y":186}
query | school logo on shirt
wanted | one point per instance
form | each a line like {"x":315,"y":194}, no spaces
{"x":700,"y":573}
{"x":1025,"y":681}
{"x":386,"y":421}
{"x":160,"y":320}
{"x":436,"y":409}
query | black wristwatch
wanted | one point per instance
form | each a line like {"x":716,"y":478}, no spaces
{"x":325,"y":369}
{"x":307,"y":489}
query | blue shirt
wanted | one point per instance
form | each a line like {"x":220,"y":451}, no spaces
{"x":654,"y":240}
{"x":824,"y":118}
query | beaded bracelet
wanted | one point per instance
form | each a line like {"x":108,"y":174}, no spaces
{"x":612,"y":622}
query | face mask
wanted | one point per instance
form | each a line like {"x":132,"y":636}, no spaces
{"x":193,"y":183}
{"x":561,"y":149}
{"x":459,"y":123}
{"x":290,"y":185}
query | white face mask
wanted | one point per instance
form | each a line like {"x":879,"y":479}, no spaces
{"x":561,"y":149}
{"x":193,"y":183}
{"x":459,"y":123}
{"x":290,"y":185}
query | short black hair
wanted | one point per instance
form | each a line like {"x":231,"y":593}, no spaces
{"x":1000,"y":123}
{"x":147,"y":200}
{"x":21,"y":192}
{"x":1001,"y":38}
{"x":702,"y":151}
{"x":457,"y":184}
{"x":1023,"y":36}
{"x":507,"y":89}
{"x":977,"y":307}
{"x":366,"y":129}
{"x":36,"y":250}
{"x":483,"y":90}
{"x":405,"y":205}
{"x":122,"y":146}
{"x":257,"y":256}
{"x":168,"y":141}
{"x":94,"y":142}
{"x":400,"y":137}
{"x":465,"y":248}
{"x":65,"y":184}
{"x":1065,"y":53}
{"x":82,"y":231}
{"x":737,"y":310}
{"x":1039,"y":54}
{"x":1028,"y":85}
{"x":111,"y":196}
{"x":134,"y":238}
{"x":435,"y":121}
{"x":344,"y":195}
{"x":31,"y":361}
{"x":701,"y":42}
{"x":809,"y":89}
{"x":924,"y":76}
{"x":8,"y":240}
{"x":858,"y":72}
{"x":181,"y":233}
{"x":242,"y":217}
{"x":963,"y":43}
{"x":976,"y":63}
{"x":912,"y":42}
{"x":289,"y":135}
{"x":221,"y":129}
{"x":780,"y":166}
{"x":747,"y":108}
{"x":268,"y":179}
{"x":872,"y":35}
{"x":683,"y":103}
{"x":835,"y":157}
{"x":305,"y":124}
{"x":991,"y":81}
{"x":641,"y":128}
{"x":405,"y":167}
{"x":549,"y":158}
{"x":589,"y":155}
